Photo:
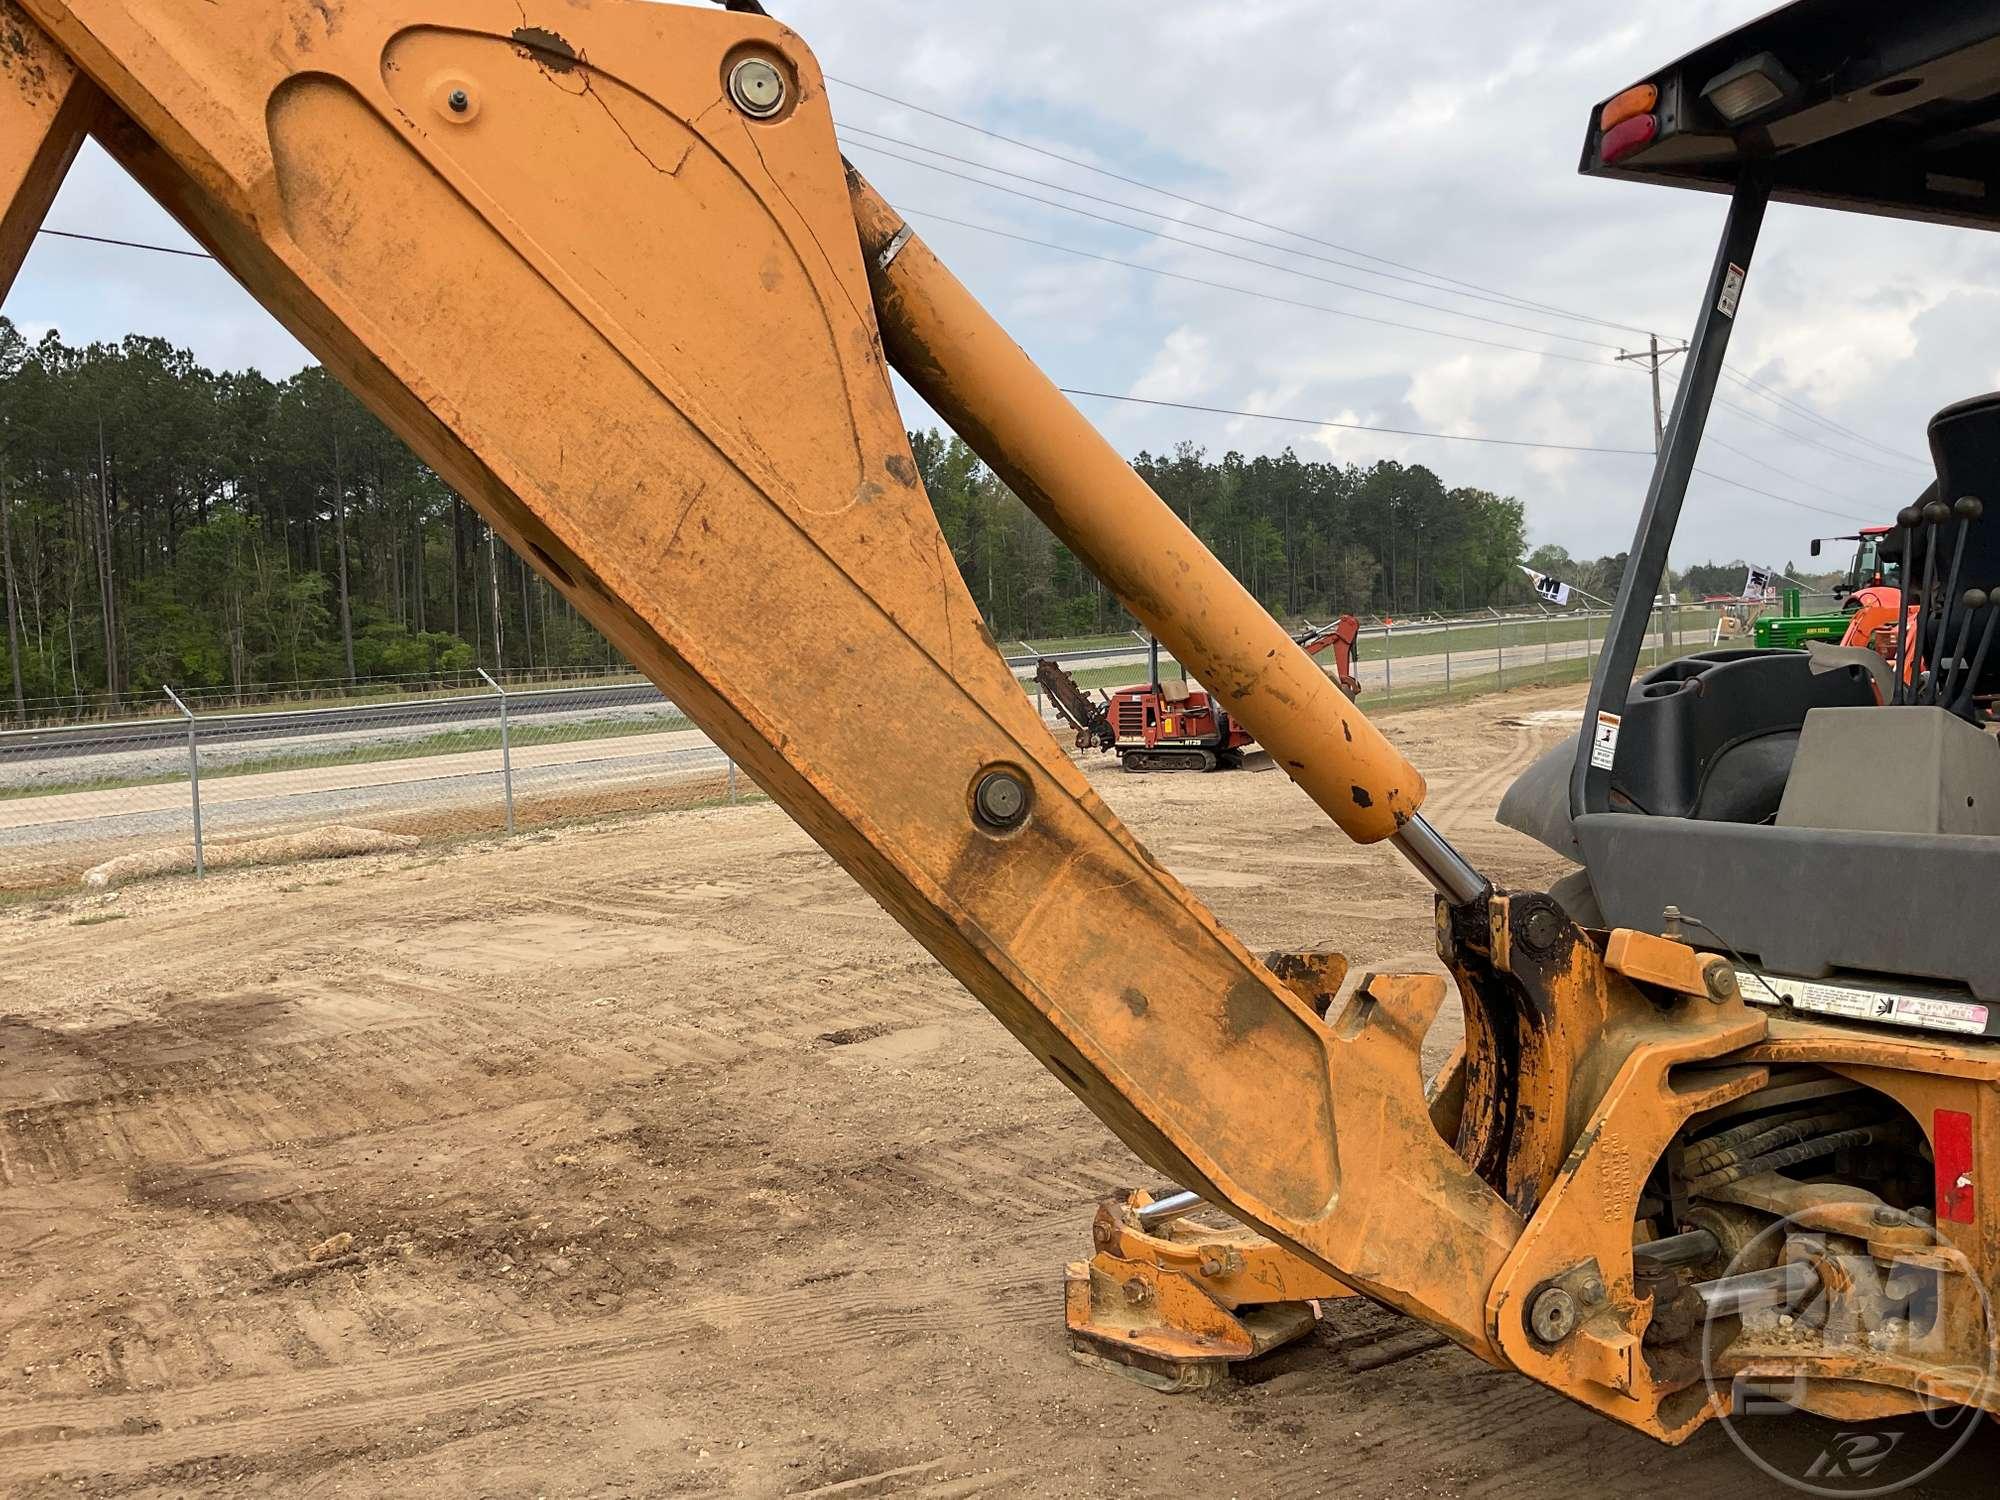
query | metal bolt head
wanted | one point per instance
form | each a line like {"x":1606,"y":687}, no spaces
{"x":1592,"y":1291}
{"x":1552,"y":1317}
{"x":1885,"y":1217}
{"x":460,"y":101}
{"x":1001,"y":799}
{"x":1543,"y":927}
{"x":1720,"y":980}
{"x":758,"y":88}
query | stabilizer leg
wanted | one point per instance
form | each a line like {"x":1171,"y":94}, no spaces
{"x":1176,"y":1302}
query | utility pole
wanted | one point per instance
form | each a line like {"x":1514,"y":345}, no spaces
{"x":106,"y":561}
{"x":493,"y":572}
{"x":1655,"y":357}
{"x":7,"y":569}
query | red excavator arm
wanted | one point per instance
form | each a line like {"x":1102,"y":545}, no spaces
{"x":1343,"y":639}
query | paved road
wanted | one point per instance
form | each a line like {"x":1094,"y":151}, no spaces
{"x":359,"y":720}
{"x":439,"y":713}
{"x":349,"y":720}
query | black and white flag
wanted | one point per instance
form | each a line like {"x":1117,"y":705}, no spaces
{"x":1552,"y":590}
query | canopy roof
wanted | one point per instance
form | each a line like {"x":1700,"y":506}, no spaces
{"x":1876,"y":108}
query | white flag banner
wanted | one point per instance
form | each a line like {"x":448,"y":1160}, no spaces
{"x":1552,"y":590}
{"x":1758,"y":584}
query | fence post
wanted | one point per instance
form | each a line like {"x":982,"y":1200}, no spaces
{"x":194,"y":780}
{"x":1447,"y":661}
{"x":1389,"y":663}
{"x":1546,"y":619}
{"x":1500,"y":652}
{"x":506,"y":750}
{"x":1586,"y":643}
{"x":732,"y":779}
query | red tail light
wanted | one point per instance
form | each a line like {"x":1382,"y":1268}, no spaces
{"x":1632,"y":135}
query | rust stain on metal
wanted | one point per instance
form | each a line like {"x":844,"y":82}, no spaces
{"x":547,"y":48}
{"x":1247,"y":1009}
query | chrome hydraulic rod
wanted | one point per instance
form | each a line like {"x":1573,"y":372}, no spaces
{"x":1448,"y":871}
{"x":1172,"y":1206}
{"x":1013,"y":416}
{"x":1781,"y":1286}
{"x":1680,"y":1249}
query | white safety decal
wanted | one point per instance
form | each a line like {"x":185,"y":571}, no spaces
{"x":1853,"y":1002}
{"x":1604,"y":746}
{"x":1732,"y":291}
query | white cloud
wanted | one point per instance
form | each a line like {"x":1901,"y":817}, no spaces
{"x":1183,"y":370}
{"x":1440,"y":134}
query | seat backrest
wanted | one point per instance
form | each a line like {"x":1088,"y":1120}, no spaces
{"x":1965,"y":447}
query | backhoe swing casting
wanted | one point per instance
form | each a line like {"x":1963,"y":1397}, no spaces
{"x":502,"y":229}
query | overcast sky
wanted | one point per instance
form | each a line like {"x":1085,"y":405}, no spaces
{"x":1441,"y":135}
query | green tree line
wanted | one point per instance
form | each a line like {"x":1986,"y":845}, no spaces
{"x":1309,"y":539}
{"x":164,"y":523}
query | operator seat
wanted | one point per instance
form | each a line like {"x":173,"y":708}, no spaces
{"x":1710,"y":737}
{"x":1858,"y":872}
{"x":1965,"y":447}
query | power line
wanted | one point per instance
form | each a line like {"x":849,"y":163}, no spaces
{"x":1709,"y":439}
{"x":1770,"y":393}
{"x":1244,"y":291}
{"x":1449,"y":437}
{"x":1838,"y":515}
{"x":1507,"y":298}
{"x":1221,"y":411}
{"x":1330,"y":281}
{"x":1747,"y":415}
{"x":1269,"y":265}
{"x":1154,"y":213}
{"x":99,"y":239}
{"x":1384,"y":322}
{"x":1524,"y":303}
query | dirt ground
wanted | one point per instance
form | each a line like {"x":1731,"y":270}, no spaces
{"x":651,"y":1158}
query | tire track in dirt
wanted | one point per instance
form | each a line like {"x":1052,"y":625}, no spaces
{"x":1474,"y":797}
{"x":217,"y":1107}
{"x":113,"y":1434}
{"x":838,"y":1199}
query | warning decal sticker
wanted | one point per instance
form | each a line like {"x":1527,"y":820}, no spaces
{"x":1732,"y":291}
{"x":1604,"y":745}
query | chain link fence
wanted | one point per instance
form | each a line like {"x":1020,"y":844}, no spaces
{"x":1409,"y":666}
{"x":191,"y":790}
{"x":1420,"y":662}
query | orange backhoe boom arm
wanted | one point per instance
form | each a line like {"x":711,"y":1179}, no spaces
{"x":601,"y":267}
